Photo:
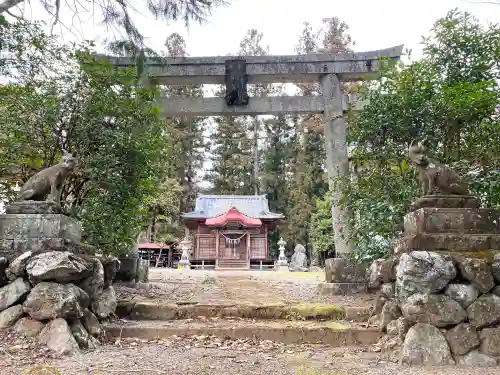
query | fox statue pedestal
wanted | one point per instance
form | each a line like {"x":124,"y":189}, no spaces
{"x":473,"y":231}
{"x":35,"y":226}
{"x":343,"y":278}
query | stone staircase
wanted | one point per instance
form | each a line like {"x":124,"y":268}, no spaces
{"x":237,"y":264}
{"x":285,"y":323}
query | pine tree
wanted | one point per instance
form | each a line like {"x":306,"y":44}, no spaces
{"x":235,"y":145}
{"x":309,"y":181}
{"x":231,"y":171}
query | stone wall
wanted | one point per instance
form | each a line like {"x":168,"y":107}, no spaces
{"x":439,"y":309}
{"x":59,"y":297}
{"x":51,"y":285}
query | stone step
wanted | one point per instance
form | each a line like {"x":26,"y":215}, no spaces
{"x":335,"y":334}
{"x":232,"y":264}
{"x":149,"y":310}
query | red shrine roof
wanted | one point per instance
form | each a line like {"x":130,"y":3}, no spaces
{"x":233,"y":215}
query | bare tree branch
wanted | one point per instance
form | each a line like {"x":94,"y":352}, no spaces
{"x":118,"y":13}
{"x":491,"y":2}
{"x":7,"y":4}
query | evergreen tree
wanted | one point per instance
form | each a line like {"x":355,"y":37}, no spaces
{"x":235,"y":140}
{"x":309,"y":181}
{"x":231,"y":171}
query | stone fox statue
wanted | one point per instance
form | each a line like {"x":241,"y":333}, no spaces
{"x":436,"y":178}
{"x":48,"y":183}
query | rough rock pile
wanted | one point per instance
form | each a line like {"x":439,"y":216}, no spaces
{"x":59,"y":297}
{"x":439,"y":309}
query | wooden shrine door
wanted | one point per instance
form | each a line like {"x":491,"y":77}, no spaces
{"x":233,"y":246}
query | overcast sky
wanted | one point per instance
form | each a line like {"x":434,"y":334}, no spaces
{"x":374,"y":24}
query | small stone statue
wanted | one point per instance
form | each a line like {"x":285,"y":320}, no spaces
{"x":436,"y":178}
{"x":48,"y":183}
{"x":298,"y":262}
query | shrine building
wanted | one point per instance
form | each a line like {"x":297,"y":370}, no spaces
{"x":231,"y":231}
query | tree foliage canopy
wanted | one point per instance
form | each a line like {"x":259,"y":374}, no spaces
{"x":61,"y":98}
{"x":450,"y":97}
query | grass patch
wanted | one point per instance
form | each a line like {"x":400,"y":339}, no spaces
{"x":317,"y":310}
{"x":209,"y":280}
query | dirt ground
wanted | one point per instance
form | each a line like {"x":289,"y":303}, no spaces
{"x":184,"y":359}
{"x":209,"y":355}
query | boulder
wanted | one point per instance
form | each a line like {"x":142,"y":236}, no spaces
{"x":496,"y":291}
{"x":462,"y":339}
{"x":425,"y":345}
{"x":111,"y":267}
{"x":53,"y":300}
{"x":390,"y":312}
{"x":105,"y":303}
{"x":4,"y":263}
{"x":436,"y":309}
{"x":60,"y":266}
{"x":17,"y":267}
{"x":374,"y":274}
{"x":478,"y":272}
{"x":28,"y":327}
{"x":379,"y":303}
{"x":92,"y":324}
{"x":93,"y":285}
{"x":476,"y":359}
{"x":388,"y":270}
{"x":490,"y":341}
{"x":13,"y":292}
{"x":484,"y":311}
{"x":398,"y":327}
{"x":57,"y":336}
{"x":80,"y":334}
{"x":10,"y":316}
{"x":463,"y":294}
{"x":423,"y":272}
{"x":495,"y":268}
{"x":388,"y":290}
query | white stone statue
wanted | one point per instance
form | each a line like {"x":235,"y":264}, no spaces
{"x":298,"y":263}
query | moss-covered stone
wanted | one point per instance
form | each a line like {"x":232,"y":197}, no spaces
{"x":318,"y":310}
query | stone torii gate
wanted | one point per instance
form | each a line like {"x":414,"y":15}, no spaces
{"x":236,"y":72}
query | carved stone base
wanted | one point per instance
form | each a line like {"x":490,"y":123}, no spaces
{"x":452,"y":220}
{"x":446,"y":201}
{"x":448,"y":242}
{"x":39,"y":233}
{"x":33,"y":207}
{"x":26,"y":226}
{"x":342,"y":288}
{"x":338,"y":270}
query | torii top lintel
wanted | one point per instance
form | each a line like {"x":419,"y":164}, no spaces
{"x":263,"y":69}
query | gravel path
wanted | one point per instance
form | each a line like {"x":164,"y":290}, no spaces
{"x":252,"y":287}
